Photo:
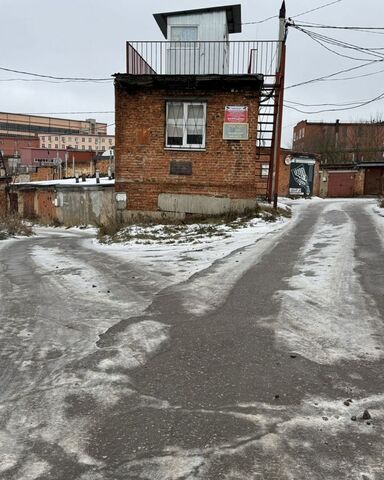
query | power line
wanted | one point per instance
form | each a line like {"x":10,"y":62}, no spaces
{"x":322,"y":39}
{"x":358,"y":102}
{"x":260,"y":21}
{"x":327,"y":77}
{"x":48,"y":81}
{"x":315,"y":9}
{"x":294,"y":16}
{"x":74,"y":79}
{"x":355,"y":76}
{"x":66,"y":113}
{"x":367,"y":102}
{"x":350,"y":27}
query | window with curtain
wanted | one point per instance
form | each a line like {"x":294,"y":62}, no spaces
{"x":186,"y":123}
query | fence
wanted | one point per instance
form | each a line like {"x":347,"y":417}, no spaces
{"x":202,"y":58}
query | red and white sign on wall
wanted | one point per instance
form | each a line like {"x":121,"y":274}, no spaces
{"x":236,"y":114}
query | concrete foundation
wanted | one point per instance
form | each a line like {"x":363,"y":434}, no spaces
{"x":202,"y":204}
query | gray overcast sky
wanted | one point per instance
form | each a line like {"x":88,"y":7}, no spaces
{"x":87,"y":38}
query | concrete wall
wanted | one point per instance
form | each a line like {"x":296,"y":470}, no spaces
{"x":202,"y":204}
{"x":85,"y":206}
{"x":69,"y":206}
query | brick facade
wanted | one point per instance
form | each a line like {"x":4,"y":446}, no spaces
{"x":223,"y":169}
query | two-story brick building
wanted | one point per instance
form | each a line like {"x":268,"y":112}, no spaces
{"x":187,"y":114}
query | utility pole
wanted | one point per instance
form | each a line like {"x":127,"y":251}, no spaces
{"x":279,"y":100}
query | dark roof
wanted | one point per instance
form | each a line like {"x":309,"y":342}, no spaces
{"x":233,"y":17}
{"x":370,"y":164}
{"x":203,"y":82}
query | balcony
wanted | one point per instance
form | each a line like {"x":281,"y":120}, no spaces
{"x":202,"y":58}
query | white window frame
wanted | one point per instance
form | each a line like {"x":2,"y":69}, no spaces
{"x":185,"y":144}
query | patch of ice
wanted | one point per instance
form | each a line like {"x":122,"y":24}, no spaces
{"x":138,"y":342}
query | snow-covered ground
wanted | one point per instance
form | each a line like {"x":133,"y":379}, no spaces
{"x":189,"y":256}
{"x":72,"y":182}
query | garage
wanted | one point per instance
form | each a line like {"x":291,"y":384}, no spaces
{"x":374,"y":180}
{"x":341,"y":184}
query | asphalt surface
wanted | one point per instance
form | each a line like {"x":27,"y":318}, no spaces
{"x":106,"y":374}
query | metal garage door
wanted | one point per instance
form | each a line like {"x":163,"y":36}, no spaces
{"x":341,"y":184}
{"x":374,"y":181}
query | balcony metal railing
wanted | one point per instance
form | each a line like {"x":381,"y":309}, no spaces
{"x":202,"y":58}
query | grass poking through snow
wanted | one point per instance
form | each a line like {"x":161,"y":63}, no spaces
{"x":12,"y":225}
{"x":192,"y":229}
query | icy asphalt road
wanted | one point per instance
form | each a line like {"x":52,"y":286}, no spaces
{"x":113,"y":370}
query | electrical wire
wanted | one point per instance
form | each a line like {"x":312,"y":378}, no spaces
{"x":322,"y":40}
{"x":317,"y":8}
{"x":337,"y":27}
{"x":66,"y":113}
{"x":294,"y":16}
{"x":329,"y":76}
{"x":52,"y":77}
{"x":47,"y":81}
{"x":358,"y":102}
{"x":367,"y":102}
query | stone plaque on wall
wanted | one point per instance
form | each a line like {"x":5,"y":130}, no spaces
{"x":180,"y":167}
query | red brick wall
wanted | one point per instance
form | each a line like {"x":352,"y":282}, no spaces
{"x":225,"y":168}
{"x":11,"y":145}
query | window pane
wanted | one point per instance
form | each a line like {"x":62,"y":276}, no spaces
{"x":174,"y":135}
{"x":175,"y":112}
{"x":183,"y":34}
{"x":195,"y":112}
{"x":195,"y":124}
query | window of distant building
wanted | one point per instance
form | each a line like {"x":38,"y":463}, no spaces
{"x":56,"y":139}
{"x":110,"y":141}
{"x":83,"y":147}
{"x":89,"y":148}
{"x":186,"y":123}
{"x":56,"y":145}
{"x":49,"y":145}
{"x":43,"y":145}
{"x":83,"y":139}
{"x":43,"y":139}
{"x":89,"y":139}
{"x":265,"y":170}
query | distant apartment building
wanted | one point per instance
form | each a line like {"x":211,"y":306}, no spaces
{"x":96,"y":143}
{"x":12,"y":124}
{"x":19,"y":131}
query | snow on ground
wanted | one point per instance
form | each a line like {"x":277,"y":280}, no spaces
{"x":325,"y":294}
{"x":192,"y":258}
{"x":72,"y":182}
{"x":379,"y":219}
